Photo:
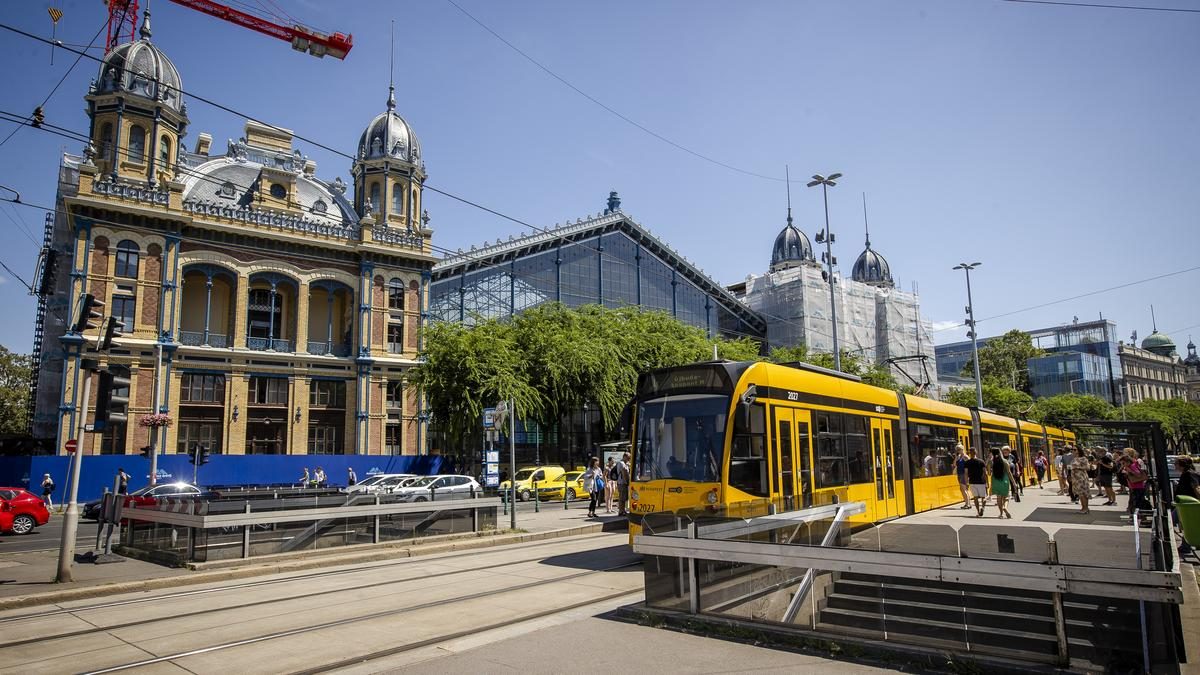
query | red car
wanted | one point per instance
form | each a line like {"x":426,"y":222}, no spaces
{"x":21,"y":511}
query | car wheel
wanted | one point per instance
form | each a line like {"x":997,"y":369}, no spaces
{"x":23,"y":524}
{"x":524,"y":495}
{"x":420,"y":499}
{"x":570,"y":494}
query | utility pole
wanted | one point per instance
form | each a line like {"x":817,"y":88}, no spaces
{"x":826,"y":236}
{"x":66,"y":550}
{"x":512,"y":464}
{"x":974,"y":334}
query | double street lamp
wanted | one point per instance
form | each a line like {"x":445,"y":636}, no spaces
{"x":826,"y":236}
{"x":972,"y":333}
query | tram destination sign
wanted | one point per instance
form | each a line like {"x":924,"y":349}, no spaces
{"x":704,"y":378}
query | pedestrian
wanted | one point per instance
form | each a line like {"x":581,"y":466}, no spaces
{"x":1001,"y":482}
{"x":929,"y":464}
{"x":47,"y":490}
{"x":1136,"y":476}
{"x":1079,"y":479}
{"x":610,"y":485}
{"x":1014,"y":471}
{"x":1188,"y":483}
{"x":623,"y":484}
{"x":1039,"y":468}
{"x":593,"y":484}
{"x":976,"y":479}
{"x":122,"y":482}
{"x":960,"y":470}
{"x":319,"y":477}
{"x":351,"y":479}
{"x":304,"y":478}
{"x":1104,"y":477}
{"x":1060,"y":466}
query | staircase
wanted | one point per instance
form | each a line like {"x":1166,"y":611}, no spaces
{"x":1103,"y":635}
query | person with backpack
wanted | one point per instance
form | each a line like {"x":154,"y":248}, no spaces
{"x":593,"y":484}
{"x":1104,"y":477}
{"x":1039,"y":467}
{"x":1001,"y":476}
{"x":977,"y":481}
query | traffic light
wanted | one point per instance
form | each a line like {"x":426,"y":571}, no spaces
{"x":112,"y":330}
{"x":91,"y":311}
{"x":39,"y":118}
{"x":112,"y":401}
{"x":198,"y":455}
{"x":145,"y":451}
{"x":49,"y":267}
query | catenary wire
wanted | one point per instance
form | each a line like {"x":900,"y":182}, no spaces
{"x":1100,"y":5}
{"x":605,"y":106}
{"x":17,"y":276}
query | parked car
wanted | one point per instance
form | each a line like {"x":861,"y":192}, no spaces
{"x":145,"y":496}
{"x":21,"y":511}
{"x":380,"y":482}
{"x":429,"y":488}
{"x":529,"y":475}
{"x":553,"y":491}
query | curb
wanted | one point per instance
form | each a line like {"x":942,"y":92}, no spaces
{"x":253,"y":570}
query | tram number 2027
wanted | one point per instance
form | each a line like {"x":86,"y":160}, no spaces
{"x":793,"y":396}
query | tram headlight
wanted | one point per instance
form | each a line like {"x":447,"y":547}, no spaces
{"x":634,"y":494}
{"x":712,"y":497}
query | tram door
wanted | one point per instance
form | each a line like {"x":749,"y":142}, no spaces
{"x":887,"y":502}
{"x":792,"y":458}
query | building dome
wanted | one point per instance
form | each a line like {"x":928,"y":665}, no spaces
{"x":1159,"y":344}
{"x":791,"y":248}
{"x":389,"y":136}
{"x":141,"y":69}
{"x":1192,"y":359}
{"x":871,"y":268}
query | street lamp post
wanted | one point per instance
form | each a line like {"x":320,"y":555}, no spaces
{"x":974,"y":334}
{"x":826,"y":236}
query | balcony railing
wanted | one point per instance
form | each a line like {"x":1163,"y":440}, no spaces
{"x":324,"y":348}
{"x":193,"y":338}
{"x":268,"y":345}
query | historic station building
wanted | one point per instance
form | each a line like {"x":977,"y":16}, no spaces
{"x":267,"y":311}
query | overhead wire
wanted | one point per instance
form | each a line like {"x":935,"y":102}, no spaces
{"x":1102,"y":5}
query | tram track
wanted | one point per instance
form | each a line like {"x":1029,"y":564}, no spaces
{"x":270,"y":582}
{"x":384,"y":614}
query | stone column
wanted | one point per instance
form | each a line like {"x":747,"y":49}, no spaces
{"x":241,"y":307}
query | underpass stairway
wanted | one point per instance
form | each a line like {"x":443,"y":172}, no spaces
{"x":1103,"y":635}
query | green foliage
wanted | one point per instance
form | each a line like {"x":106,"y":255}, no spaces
{"x":1060,"y":410}
{"x":1179,"y":418}
{"x":1003,"y":361}
{"x":553,"y":359}
{"x":1004,"y":400}
{"x":15,"y":370}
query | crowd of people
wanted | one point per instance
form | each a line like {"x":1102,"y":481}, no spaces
{"x":607,"y":484}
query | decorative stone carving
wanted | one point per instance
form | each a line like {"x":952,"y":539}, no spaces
{"x":138,"y":193}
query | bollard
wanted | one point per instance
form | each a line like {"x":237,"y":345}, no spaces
{"x":537,"y":500}
{"x":565,"y":505}
{"x":504,"y":501}
{"x":432,"y":493}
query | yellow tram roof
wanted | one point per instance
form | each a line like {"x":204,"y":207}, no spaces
{"x":925,"y":407}
{"x":816,"y":384}
{"x":1028,"y":427}
{"x":991,"y":419}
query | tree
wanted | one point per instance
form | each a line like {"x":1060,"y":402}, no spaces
{"x":1059,"y":411}
{"x":15,"y":371}
{"x":1180,"y":420}
{"x":1004,"y":400}
{"x":1003,"y":361}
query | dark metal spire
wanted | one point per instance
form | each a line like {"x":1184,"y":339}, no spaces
{"x":788,"y":175}
{"x":391,"y":103}
{"x":866,"y":227}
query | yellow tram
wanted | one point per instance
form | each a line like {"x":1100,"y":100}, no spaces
{"x":743,"y":439}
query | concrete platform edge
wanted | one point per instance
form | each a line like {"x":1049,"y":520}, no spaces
{"x":251,"y":568}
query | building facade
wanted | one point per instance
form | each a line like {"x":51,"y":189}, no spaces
{"x":875,"y":320}
{"x":266,"y":310}
{"x":608,"y":259}
{"x":1154,"y":371}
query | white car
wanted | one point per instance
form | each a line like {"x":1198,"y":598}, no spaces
{"x":380,"y":482}
{"x":432,"y":488}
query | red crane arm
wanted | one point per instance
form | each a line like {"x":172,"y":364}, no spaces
{"x":302,"y":38}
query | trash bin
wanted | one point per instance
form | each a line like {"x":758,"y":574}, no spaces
{"x":1189,"y":518}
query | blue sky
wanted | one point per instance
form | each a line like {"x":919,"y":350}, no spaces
{"x":1057,"y":145}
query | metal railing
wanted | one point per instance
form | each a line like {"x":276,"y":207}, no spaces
{"x":322,"y":348}
{"x":193,"y":338}
{"x":266,"y":344}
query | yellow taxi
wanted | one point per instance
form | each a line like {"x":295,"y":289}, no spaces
{"x":527,"y":476}
{"x":572,"y":481}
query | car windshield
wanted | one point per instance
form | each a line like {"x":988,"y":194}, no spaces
{"x":371,"y":480}
{"x":574,"y":475}
{"x":681,"y":437}
{"x":524,"y":474}
{"x":141,"y":491}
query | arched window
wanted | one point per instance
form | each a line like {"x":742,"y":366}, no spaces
{"x":137,"y":144}
{"x":164,"y":151}
{"x":106,"y":137}
{"x":397,"y":199}
{"x":375,"y":198}
{"x":395,"y":295}
{"x":127,"y":259}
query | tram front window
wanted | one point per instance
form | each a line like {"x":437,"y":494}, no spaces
{"x":681,"y":437}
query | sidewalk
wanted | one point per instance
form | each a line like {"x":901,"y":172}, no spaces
{"x":28,"y":578}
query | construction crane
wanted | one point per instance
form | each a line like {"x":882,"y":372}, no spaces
{"x":122,"y":15}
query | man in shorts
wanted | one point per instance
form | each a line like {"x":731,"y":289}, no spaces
{"x":977,"y":480}
{"x":960,"y":470}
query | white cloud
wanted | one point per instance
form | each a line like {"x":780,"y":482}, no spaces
{"x":939,"y":326}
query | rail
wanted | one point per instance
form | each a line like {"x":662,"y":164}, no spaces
{"x":266,"y":530}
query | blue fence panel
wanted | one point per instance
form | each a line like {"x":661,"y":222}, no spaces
{"x":99,"y":471}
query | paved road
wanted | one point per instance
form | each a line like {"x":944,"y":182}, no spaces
{"x":49,"y":536}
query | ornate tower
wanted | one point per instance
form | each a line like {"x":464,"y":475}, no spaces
{"x":389,"y":173}
{"x":137,"y":113}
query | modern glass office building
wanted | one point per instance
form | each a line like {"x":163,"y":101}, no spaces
{"x":607,"y":259}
